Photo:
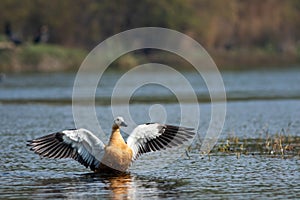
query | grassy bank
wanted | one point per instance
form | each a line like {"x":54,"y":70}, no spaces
{"x":248,"y":58}
{"x":236,"y":59}
{"x":39,"y":58}
{"x":51,"y":58}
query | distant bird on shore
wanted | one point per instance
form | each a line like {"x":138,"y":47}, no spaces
{"x":42,"y":35}
{"x":8,"y":32}
{"x":117,"y":156}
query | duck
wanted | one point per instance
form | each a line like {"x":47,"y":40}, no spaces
{"x":118,"y":155}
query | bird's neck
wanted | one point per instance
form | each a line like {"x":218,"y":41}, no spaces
{"x":116,"y":137}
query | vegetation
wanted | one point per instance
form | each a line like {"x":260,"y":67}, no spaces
{"x":282,"y":145}
{"x":41,"y":57}
{"x":278,"y":146}
{"x":236,"y":33}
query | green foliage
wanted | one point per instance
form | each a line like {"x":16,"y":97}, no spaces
{"x":222,"y":27}
{"x":41,"y":58}
{"x":216,"y":24}
{"x":5,"y":57}
{"x":2,"y":38}
{"x":32,"y":54}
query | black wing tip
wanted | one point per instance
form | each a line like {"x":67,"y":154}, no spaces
{"x":35,"y":143}
{"x":57,"y":135}
{"x":177,"y":129}
{"x":169,"y":126}
{"x":58,"y":146}
{"x":149,"y":123}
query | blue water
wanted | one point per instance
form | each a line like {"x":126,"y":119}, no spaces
{"x":32,"y":105}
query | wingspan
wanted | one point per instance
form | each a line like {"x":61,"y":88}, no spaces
{"x":81,"y":145}
{"x":154,"y":137}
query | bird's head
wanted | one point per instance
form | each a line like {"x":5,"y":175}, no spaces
{"x":119,"y":121}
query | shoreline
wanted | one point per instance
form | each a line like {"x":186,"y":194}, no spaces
{"x":55,"y":58}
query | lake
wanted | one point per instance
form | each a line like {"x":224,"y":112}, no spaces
{"x":258,"y":101}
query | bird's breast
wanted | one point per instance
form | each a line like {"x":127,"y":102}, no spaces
{"x":117,"y":157}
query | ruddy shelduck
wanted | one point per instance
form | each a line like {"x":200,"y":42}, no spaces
{"x":117,"y":156}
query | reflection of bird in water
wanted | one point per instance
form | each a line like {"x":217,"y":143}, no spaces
{"x":121,"y":186}
{"x":117,"y":186}
{"x":117,"y":155}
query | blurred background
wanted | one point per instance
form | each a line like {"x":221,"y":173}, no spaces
{"x":37,"y":34}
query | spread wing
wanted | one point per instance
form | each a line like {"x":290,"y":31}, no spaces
{"x":154,"y":137}
{"x":81,"y":145}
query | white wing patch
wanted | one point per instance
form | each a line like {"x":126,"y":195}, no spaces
{"x":154,"y":137}
{"x":81,"y":145}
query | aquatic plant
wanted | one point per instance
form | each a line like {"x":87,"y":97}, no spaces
{"x":281,"y":144}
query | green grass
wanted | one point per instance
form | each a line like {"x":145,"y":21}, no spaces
{"x":49,"y":57}
{"x":2,"y":38}
{"x":41,"y":57}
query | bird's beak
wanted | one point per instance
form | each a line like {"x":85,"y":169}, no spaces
{"x":124,"y":124}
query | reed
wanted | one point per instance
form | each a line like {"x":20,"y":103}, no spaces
{"x":281,"y":144}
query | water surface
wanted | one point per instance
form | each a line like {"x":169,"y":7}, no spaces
{"x":258,"y":101}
